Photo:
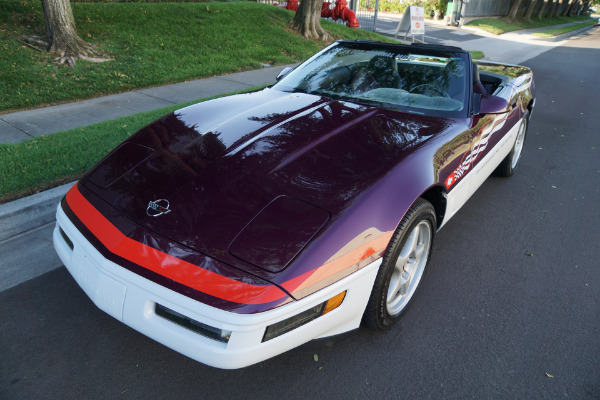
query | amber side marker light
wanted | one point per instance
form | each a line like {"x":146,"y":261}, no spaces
{"x":334,"y":302}
{"x":289,"y":324}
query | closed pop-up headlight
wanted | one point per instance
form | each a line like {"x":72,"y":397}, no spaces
{"x":208,"y":331}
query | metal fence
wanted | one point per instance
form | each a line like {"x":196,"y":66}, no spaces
{"x":365,"y":11}
{"x":283,"y":3}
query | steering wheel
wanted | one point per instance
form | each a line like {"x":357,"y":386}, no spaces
{"x":428,"y":88}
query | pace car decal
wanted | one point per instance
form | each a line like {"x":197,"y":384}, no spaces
{"x":211,"y":283}
{"x":480,"y":144}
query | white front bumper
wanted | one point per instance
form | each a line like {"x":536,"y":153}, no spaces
{"x":131,"y":299}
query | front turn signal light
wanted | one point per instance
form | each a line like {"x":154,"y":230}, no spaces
{"x":334,"y":302}
{"x":296,"y":321}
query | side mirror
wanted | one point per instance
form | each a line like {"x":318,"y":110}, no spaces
{"x":490,"y":104}
{"x":284,"y":72}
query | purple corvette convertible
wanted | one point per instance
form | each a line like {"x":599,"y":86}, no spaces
{"x":236,"y":229}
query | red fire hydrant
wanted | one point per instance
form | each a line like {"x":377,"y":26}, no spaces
{"x":340,"y":11}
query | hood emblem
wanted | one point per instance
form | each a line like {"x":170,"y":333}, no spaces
{"x":157,"y":208}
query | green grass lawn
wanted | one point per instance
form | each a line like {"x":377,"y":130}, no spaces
{"x":564,"y":29}
{"x":476,"y":54}
{"x":498,"y":26}
{"x":151,"y":43}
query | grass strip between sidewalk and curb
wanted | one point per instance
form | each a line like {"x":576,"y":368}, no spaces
{"x":152,"y":44}
{"x":498,"y":26}
{"x":477,"y":54}
{"x":559,"y":31}
{"x":48,"y":161}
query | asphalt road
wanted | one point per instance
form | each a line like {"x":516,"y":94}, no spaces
{"x":509,"y":307}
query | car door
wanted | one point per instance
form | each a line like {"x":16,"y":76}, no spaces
{"x":493,"y":138}
{"x":454,"y":160}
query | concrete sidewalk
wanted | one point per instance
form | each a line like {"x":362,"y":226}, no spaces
{"x":26,"y":224}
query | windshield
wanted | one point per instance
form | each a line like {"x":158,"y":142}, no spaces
{"x":388,"y":76}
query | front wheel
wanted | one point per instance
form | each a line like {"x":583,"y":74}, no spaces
{"x":508,"y":165}
{"x":402,"y":267}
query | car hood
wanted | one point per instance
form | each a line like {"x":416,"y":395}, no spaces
{"x":251,"y":179}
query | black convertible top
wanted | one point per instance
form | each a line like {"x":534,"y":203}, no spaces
{"x":423,"y":46}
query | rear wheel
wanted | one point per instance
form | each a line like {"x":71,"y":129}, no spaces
{"x":508,"y":165}
{"x":402,"y":267}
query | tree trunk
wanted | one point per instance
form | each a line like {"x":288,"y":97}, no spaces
{"x":586,"y":6}
{"x":552,"y":9}
{"x":575,"y":8}
{"x":514,"y":9}
{"x":530,"y":9}
{"x":556,"y":10}
{"x":540,"y":12}
{"x":61,"y":35}
{"x":564,"y":8}
{"x":307,"y":20}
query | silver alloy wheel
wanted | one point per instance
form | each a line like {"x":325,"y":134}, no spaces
{"x":519,"y":144}
{"x":409,"y":268}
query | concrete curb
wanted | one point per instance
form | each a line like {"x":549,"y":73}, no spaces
{"x":30,"y":212}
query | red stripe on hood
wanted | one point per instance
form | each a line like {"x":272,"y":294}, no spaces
{"x":178,"y":270}
{"x":209,"y":282}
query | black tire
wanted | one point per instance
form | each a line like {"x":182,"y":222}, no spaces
{"x":386,"y":305}
{"x":509,"y":164}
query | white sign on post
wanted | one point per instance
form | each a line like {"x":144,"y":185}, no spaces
{"x":417,"y":20}
{"x":413,"y":21}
